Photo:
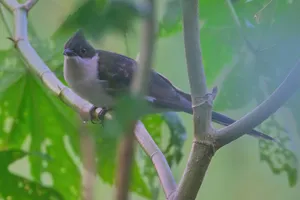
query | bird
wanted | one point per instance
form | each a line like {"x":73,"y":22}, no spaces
{"x":101,"y":77}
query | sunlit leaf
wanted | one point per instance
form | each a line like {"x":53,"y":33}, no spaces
{"x":16,"y":187}
{"x":28,"y":111}
{"x":99,"y":16}
{"x":280,"y":158}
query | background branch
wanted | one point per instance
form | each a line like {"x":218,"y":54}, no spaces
{"x":268,"y":107}
{"x":139,"y":88}
{"x":88,"y":156}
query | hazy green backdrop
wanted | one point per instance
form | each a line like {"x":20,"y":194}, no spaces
{"x":236,"y":171}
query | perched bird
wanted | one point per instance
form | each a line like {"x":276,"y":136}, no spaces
{"x":100,"y":77}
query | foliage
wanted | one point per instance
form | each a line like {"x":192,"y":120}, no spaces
{"x":32,"y":117}
{"x":252,"y":65}
{"x":16,"y":187}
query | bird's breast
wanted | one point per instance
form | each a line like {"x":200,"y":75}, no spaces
{"x":82,"y":79}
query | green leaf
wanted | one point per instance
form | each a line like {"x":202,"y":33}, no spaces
{"x":279,"y":158}
{"x":249,"y":71}
{"x":171,"y":21}
{"x":153,"y":124}
{"x":107,"y":164}
{"x":173,"y":152}
{"x":99,"y":16}
{"x":30,"y":113}
{"x":16,"y":187}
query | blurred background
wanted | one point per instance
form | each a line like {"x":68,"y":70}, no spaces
{"x":245,"y":169}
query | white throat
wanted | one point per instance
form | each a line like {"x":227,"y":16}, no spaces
{"x":82,"y":76}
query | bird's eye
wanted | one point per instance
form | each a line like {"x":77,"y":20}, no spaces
{"x":83,"y":51}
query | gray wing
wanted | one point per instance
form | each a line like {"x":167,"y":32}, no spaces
{"x":117,"y":70}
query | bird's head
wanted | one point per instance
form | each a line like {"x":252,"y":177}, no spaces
{"x":77,"y":45}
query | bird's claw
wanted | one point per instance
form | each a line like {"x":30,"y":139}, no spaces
{"x":92,"y":115}
{"x":100,"y":116}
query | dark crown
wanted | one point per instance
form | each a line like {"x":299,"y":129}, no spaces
{"x":79,"y":45}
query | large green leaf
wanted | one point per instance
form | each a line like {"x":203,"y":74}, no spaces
{"x":279,"y":158}
{"x":16,"y":187}
{"x":30,"y":112}
{"x":99,"y":16}
{"x":259,"y":66}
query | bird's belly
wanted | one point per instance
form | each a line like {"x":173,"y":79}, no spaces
{"x":94,"y":93}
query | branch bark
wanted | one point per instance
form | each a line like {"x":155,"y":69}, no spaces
{"x":158,"y":159}
{"x":203,"y":146}
{"x":268,"y":107}
{"x":139,"y":88}
{"x":88,"y":156}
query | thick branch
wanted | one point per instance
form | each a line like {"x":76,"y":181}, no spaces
{"x":268,"y":107}
{"x":138,"y":89}
{"x":200,"y":98}
{"x":199,"y":160}
{"x":202,"y":149}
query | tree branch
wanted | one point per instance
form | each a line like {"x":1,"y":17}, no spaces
{"x":268,"y":107}
{"x":201,"y":100}
{"x":29,"y":4}
{"x":158,"y":159}
{"x":138,"y":89}
{"x":38,"y":67}
{"x":203,"y":146}
{"x":88,"y":156}
{"x":194,"y":173}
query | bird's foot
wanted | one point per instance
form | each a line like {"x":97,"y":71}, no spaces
{"x":100,"y":116}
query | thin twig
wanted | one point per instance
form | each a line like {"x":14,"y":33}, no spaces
{"x":29,"y":4}
{"x":268,"y":107}
{"x":138,"y":89}
{"x":158,"y":159}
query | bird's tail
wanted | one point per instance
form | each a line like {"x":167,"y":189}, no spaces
{"x":186,"y":106}
{"x":224,"y":120}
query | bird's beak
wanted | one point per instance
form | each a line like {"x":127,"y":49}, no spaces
{"x":69,"y":52}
